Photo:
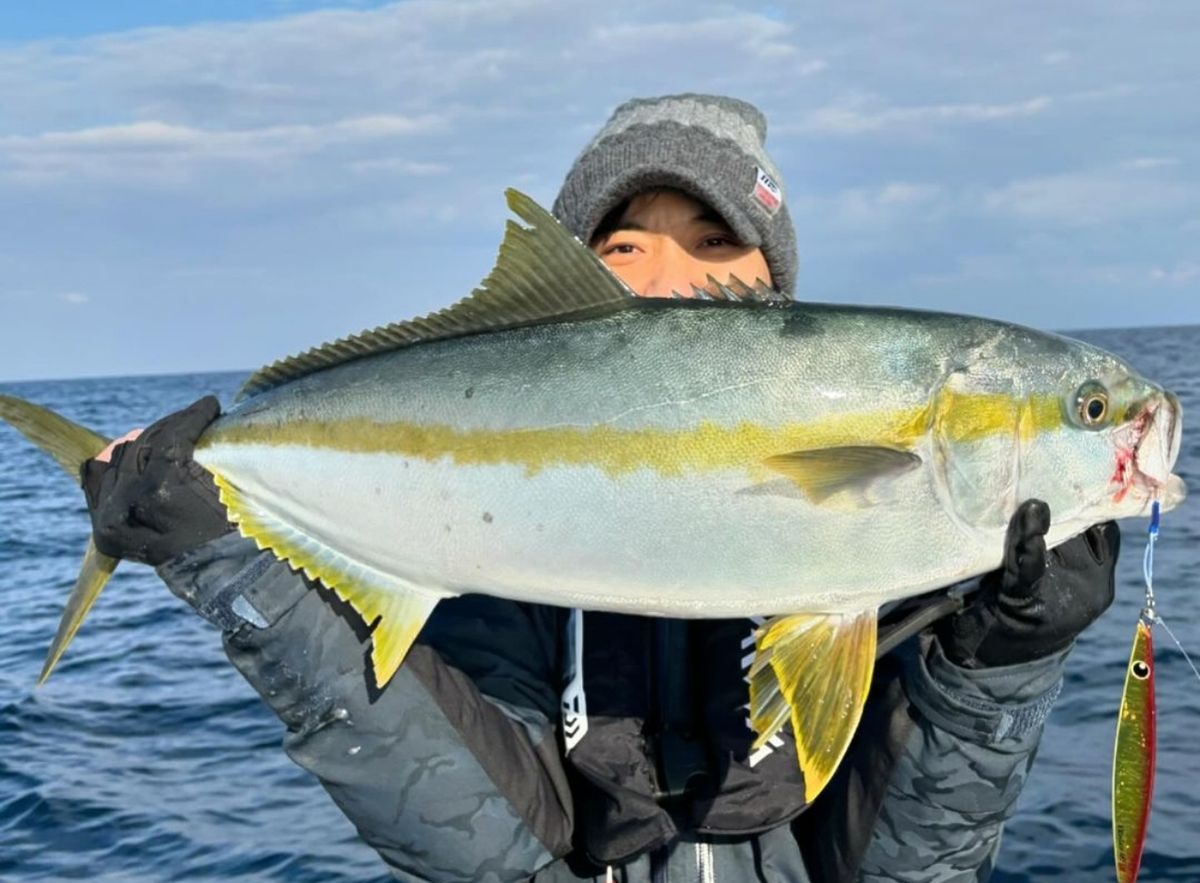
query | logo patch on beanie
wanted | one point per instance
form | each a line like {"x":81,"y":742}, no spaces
{"x":767,"y":192}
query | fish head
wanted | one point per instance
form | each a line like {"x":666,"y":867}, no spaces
{"x":1110,"y":449}
{"x":1145,"y":445}
{"x":1022,"y":414}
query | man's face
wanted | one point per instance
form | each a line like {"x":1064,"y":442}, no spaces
{"x":666,"y":241}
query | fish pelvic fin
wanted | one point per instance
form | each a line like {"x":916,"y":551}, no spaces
{"x":823,"y":472}
{"x":70,"y":445}
{"x":542,"y":275}
{"x":816,"y":670}
{"x":391,"y":609}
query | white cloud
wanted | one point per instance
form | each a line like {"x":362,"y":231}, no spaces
{"x":74,"y":297}
{"x":732,"y":32}
{"x":1090,"y":197}
{"x":483,"y":91}
{"x":1151,"y":162}
{"x":869,"y":209}
{"x":141,"y":148}
{"x":258,"y":166}
{"x":1102,"y":94}
{"x":1179,"y":274}
{"x":905,"y":193}
{"x":970,"y":269}
{"x":397,"y":166}
{"x":859,"y":116}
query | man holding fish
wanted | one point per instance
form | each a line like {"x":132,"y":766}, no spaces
{"x":523,"y":740}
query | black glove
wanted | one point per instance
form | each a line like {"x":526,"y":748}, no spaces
{"x":1036,"y":603}
{"x":152,"y":501}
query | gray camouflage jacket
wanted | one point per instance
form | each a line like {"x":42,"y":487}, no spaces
{"x":456,"y":771}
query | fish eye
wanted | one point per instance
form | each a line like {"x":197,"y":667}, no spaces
{"x":1091,"y":405}
{"x":1140,"y":670}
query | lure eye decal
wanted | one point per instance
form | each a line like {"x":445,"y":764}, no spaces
{"x":1140,"y":670}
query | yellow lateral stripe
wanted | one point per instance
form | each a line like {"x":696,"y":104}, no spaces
{"x":965,"y":417}
{"x":960,"y":418}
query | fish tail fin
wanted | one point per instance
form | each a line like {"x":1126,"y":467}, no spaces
{"x":93,"y":576}
{"x":70,"y":445}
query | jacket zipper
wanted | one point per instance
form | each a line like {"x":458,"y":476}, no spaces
{"x":705,"y":871}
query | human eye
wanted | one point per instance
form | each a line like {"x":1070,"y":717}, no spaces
{"x":620,"y":248}
{"x":709,"y":235}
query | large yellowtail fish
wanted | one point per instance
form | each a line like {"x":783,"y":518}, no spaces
{"x":554,"y":439}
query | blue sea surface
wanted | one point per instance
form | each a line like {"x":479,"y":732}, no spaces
{"x":146,"y":757}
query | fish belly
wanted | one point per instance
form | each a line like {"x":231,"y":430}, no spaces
{"x":714,"y":544}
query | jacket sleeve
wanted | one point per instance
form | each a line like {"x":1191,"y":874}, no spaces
{"x":452,"y":772}
{"x":934,"y":770}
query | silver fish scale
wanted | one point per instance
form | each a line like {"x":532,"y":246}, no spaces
{"x":644,"y":537}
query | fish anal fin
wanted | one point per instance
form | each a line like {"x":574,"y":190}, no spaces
{"x":816,"y":669}
{"x":392,"y":608}
{"x":397,"y":618}
{"x":823,"y":472}
{"x":94,"y":574}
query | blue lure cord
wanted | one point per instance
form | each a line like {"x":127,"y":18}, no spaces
{"x":1148,"y":559}
{"x":1148,"y":611}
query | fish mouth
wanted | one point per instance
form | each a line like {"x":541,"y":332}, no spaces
{"x":1147,"y":449}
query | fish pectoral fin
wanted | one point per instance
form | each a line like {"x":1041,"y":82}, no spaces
{"x":93,"y":576}
{"x":816,"y":669}
{"x":822,"y":472}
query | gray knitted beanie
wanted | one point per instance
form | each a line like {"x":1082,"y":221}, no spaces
{"x":709,"y":147}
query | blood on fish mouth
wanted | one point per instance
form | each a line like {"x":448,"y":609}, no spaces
{"x":1123,"y":474}
{"x":1128,"y":473}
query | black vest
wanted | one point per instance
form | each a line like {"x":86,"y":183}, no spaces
{"x":667,"y":746}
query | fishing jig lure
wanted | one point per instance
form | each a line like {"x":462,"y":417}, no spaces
{"x":1134,"y":749}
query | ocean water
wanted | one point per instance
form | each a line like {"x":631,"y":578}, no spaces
{"x":147,"y":758}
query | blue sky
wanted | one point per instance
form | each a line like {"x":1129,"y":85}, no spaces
{"x":55,"y":19}
{"x":210,"y":185}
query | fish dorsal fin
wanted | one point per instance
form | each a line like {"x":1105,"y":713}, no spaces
{"x":542,"y":274}
{"x":736,"y":291}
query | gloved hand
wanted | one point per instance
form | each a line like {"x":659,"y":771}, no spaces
{"x":1037,"y":603}
{"x":152,"y":502}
